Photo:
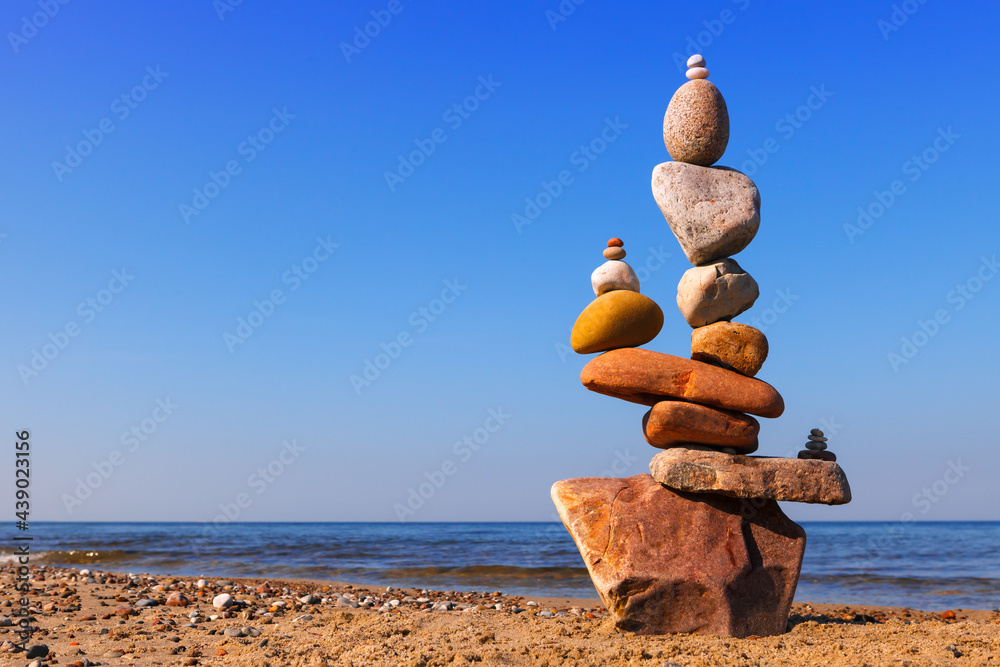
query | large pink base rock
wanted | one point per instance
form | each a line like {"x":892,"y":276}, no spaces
{"x":667,"y":561}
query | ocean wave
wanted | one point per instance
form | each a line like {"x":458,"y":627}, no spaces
{"x":484,"y":572}
{"x":71,"y":557}
{"x":933,"y":586}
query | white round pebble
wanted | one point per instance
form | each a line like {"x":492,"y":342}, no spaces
{"x":202,"y":583}
{"x":222,"y":601}
{"x":612,"y":275}
{"x":697,"y":73}
{"x":697,"y":60}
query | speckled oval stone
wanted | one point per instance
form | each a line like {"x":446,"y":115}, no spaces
{"x":621,"y":318}
{"x":696,"y":125}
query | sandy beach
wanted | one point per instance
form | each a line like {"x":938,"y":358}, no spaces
{"x":117,"y":619}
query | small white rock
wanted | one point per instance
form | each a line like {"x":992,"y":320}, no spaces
{"x":202,"y":583}
{"x":222,"y":601}
{"x":697,"y":73}
{"x":614,"y":274}
{"x":697,"y":60}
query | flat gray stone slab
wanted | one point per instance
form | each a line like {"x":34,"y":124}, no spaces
{"x":773,"y":478}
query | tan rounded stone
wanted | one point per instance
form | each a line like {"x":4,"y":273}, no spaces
{"x":614,"y":252}
{"x":715,"y":292}
{"x":621,"y":318}
{"x":696,"y":125}
{"x":730,"y":345}
{"x":673,"y":423}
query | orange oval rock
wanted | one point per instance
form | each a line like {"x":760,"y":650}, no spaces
{"x":730,"y":345}
{"x":620,"y":318}
{"x":672,"y":423}
{"x":647,"y":377}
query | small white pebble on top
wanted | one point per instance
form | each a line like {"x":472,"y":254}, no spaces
{"x":697,"y":60}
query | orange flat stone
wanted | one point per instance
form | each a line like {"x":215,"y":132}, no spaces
{"x":647,"y":377}
{"x":672,"y":423}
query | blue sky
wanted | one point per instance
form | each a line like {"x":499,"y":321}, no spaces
{"x":186,"y":166}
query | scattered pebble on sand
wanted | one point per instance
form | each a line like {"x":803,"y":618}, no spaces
{"x":425,"y":627}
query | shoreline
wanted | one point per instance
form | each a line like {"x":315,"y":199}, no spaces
{"x":110,"y":618}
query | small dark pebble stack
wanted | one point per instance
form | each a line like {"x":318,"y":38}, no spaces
{"x":816,"y":447}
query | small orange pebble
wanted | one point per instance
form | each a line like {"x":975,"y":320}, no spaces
{"x":615,"y":243}
{"x":74,"y":643}
{"x":589,"y":615}
{"x":221,"y":651}
{"x":948,"y":615}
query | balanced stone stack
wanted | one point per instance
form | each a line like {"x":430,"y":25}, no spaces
{"x":700,"y":545}
{"x":620,"y":316}
{"x":816,"y":447}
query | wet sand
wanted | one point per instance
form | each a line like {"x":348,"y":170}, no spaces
{"x":112,"y":619}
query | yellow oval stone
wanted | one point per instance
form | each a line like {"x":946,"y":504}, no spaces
{"x":620,"y":318}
